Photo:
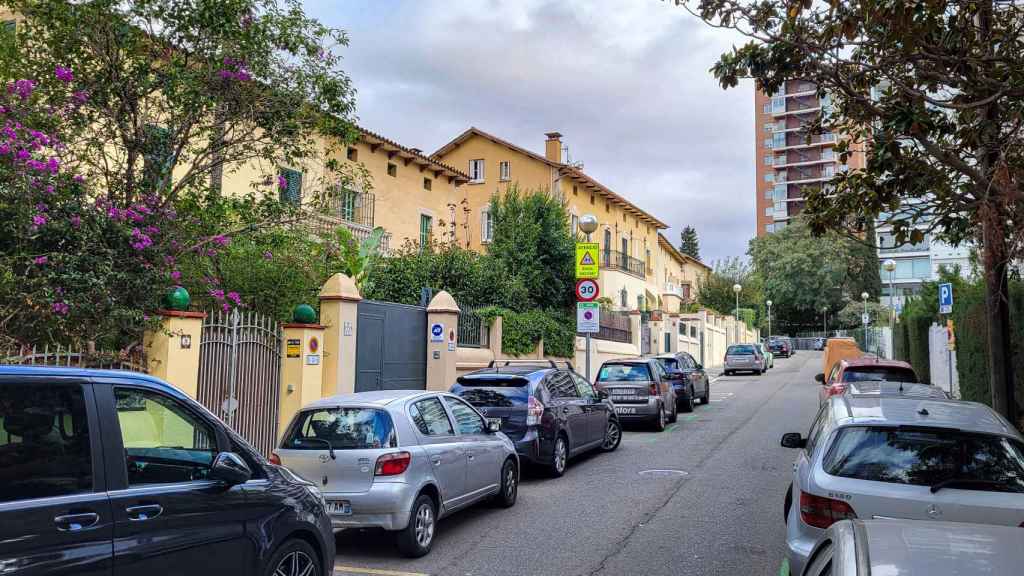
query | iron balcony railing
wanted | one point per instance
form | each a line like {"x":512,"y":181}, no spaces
{"x":351,"y":206}
{"x":615,"y":260}
{"x":614,"y":326}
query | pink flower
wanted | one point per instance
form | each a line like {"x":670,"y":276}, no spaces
{"x":78,"y":178}
{"x":225,"y":307}
{"x":268,"y":255}
{"x":221,"y":240}
{"x":176,"y":275}
{"x":64,"y":74}
{"x":80,"y":96}
{"x":76,"y":221}
{"x":218,"y":294}
{"x":23,"y":88}
{"x":39,"y":220}
{"x":234,"y":297}
{"x":49,"y":189}
{"x":40,"y":260}
{"x":61,"y":308}
{"x":282,"y":182}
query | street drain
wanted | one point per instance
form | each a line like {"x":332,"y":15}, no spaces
{"x":663,"y":473}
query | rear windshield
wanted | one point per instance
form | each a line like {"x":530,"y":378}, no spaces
{"x":493,"y":391}
{"x":624,"y":373}
{"x":343,"y":428}
{"x":669,"y":364}
{"x":740,"y":350}
{"x":878,"y":373}
{"x":926,"y":457}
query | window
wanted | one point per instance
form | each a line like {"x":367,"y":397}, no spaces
{"x":780,"y":160}
{"x":505,"y":171}
{"x":392,"y":169}
{"x":591,"y":197}
{"x":639,"y":302}
{"x":693,"y":331}
{"x":827,"y":154}
{"x":769,"y":177}
{"x":427,"y":183}
{"x":687,"y":361}
{"x":768,"y":194}
{"x":767,"y":109}
{"x":291,"y":192}
{"x":426,"y":226}
{"x":575,"y":190}
{"x":779,"y":140}
{"x":561,"y":385}
{"x":476,"y":170}
{"x":769,"y":211}
{"x":467,"y":420}
{"x":669,"y":365}
{"x":623,"y":298}
{"x":44,"y":441}
{"x":163,"y":441}
{"x":768,"y":143}
{"x":816,"y":427}
{"x":829,"y":171}
{"x":625,"y":246}
{"x":430,"y":418}
{"x":624,"y":373}
{"x":574,"y":224}
{"x":486,"y":226}
{"x":769,"y":228}
{"x":343,"y":428}
{"x":352,"y":154}
{"x":769,"y":126}
{"x":583,"y":387}
{"x":768,"y":160}
{"x":878,"y":374}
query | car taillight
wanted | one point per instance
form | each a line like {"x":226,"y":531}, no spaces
{"x":652,"y":389}
{"x":534,"y":411}
{"x":835,"y":390}
{"x":275,"y":459}
{"x":392,"y":464}
{"x":823,"y":512}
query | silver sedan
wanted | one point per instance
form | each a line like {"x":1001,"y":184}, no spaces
{"x":400,"y":460}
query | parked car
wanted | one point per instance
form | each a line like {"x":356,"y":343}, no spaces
{"x":904,"y":458}
{"x":908,"y":547}
{"x":819,"y":343}
{"x":837,"y":349}
{"x":689,"y":379}
{"x":640,"y":390}
{"x":552,"y":414}
{"x":93,"y":457}
{"x":400,"y":460}
{"x":780,"y":347}
{"x":743,"y":358}
{"x":769,"y":358}
{"x":863,"y":369}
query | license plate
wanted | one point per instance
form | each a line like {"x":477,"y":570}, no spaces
{"x":625,"y":410}
{"x":624,"y":392}
{"x":342,"y":507}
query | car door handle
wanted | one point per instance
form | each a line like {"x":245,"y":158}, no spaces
{"x":565,"y":410}
{"x":143,"y":512}
{"x":436,"y":460}
{"x":75,"y":522}
{"x":470,"y":455}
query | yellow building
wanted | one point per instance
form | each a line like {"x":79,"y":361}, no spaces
{"x":627,"y":234}
{"x":678,"y":275}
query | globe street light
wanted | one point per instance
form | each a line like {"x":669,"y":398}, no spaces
{"x":737,"y":289}
{"x":890,"y":267}
{"x":864,"y":296}
{"x":769,"y":303}
{"x":588,"y":224}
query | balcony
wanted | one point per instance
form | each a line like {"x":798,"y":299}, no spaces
{"x":347,"y":209}
{"x":615,"y":260}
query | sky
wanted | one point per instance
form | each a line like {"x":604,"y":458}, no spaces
{"x":626,"y":82}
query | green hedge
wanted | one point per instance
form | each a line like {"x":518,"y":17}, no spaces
{"x":969,"y":317}
{"x":521,"y":331}
{"x":917,"y":345}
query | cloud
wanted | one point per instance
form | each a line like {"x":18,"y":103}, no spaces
{"x":625,"y":81}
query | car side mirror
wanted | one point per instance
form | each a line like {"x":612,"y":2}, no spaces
{"x":230,"y":469}
{"x":793,"y":440}
{"x":493,"y":426}
{"x":602,"y":395}
{"x":819,"y":378}
{"x":700,"y":366}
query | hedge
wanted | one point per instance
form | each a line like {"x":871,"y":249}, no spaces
{"x":521,"y":331}
{"x":917,"y":345}
{"x":969,"y":317}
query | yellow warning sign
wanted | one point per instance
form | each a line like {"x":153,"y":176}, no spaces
{"x":586,"y":260}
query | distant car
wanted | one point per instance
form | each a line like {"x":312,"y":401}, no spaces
{"x":769,"y":358}
{"x":909,"y":547}
{"x":743,"y":358}
{"x":780,"y":347}
{"x":837,"y":349}
{"x":819,"y":343}
{"x":640,"y":390}
{"x":688,"y":378}
{"x":863,"y":369}
{"x":551,"y":413}
{"x":113,"y":472}
{"x":904,"y":458}
{"x":400,"y":460}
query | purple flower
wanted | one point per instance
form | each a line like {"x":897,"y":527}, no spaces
{"x":23,"y":88}
{"x":22,"y":154}
{"x":151,"y":230}
{"x":53,"y":164}
{"x":76,"y":221}
{"x":64,"y":74}
{"x":234,"y":297}
{"x":61,"y":308}
{"x":41,"y":207}
{"x":243,"y":75}
{"x":225,"y":74}
{"x":78,"y":178}
{"x":40,"y":260}
{"x":49,"y":189}
{"x":282,"y":182}
{"x":176,"y":275}
{"x":140,"y":241}
{"x":39,"y":220}
{"x":218,"y":294}
{"x":80,"y":96}
{"x":268,"y":255}
{"x":225,"y":307}
{"x":221,"y":240}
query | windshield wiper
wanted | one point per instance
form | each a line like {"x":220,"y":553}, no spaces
{"x":330,"y":448}
{"x":966,"y":481}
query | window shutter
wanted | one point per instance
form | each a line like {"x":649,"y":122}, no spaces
{"x":484,"y":232}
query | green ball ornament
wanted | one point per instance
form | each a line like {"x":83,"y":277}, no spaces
{"x":178,"y":299}
{"x":304,"y":314}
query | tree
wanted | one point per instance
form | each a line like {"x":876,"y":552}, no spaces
{"x":716,"y":289}
{"x":933,"y":94}
{"x":689,"y":243}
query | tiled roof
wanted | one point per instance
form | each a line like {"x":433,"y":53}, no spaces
{"x":684,"y":258}
{"x":563,"y":169}
{"x":413,"y":155}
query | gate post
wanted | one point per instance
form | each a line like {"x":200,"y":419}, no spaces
{"x":635,"y":331}
{"x":339,"y":312}
{"x":441,"y":350}
{"x":302,"y":372}
{"x":671,"y":331}
{"x":172,"y":351}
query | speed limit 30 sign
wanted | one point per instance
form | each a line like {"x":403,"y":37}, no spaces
{"x":587,"y":290}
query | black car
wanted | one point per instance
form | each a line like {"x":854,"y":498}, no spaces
{"x":117,"y":473}
{"x":689,"y":379}
{"x":551,"y":413}
{"x":779,"y":347}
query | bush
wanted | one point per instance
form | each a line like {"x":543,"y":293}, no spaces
{"x":522,"y":331}
{"x":969,"y":317}
{"x":917,"y":337}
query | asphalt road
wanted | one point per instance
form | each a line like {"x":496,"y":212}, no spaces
{"x":722,"y":515}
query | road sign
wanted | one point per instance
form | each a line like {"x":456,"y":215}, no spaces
{"x":865,"y":319}
{"x":587,"y":259}
{"x":588,"y":317}
{"x":945,"y":298}
{"x":587,"y":290}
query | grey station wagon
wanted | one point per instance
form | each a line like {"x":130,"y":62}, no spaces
{"x":640,"y":389}
{"x":400,"y":460}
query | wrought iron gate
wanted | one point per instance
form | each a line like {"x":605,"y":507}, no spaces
{"x":240,"y":373}
{"x":391,"y":347}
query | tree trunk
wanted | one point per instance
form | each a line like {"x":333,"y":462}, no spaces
{"x":997,"y":303}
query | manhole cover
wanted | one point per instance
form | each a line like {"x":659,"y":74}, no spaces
{"x":664,"y":473}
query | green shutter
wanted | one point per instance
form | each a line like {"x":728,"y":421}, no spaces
{"x":292,"y":192}
{"x":426,"y":223}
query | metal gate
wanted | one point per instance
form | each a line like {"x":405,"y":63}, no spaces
{"x":391,"y":347}
{"x":645,"y":339}
{"x":240,"y":373}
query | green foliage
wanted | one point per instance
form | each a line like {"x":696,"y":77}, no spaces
{"x":970,"y":322}
{"x":715,"y":291}
{"x":521,"y":331}
{"x":850,"y":315}
{"x":689,"y":243}
{"x":917,"y":327}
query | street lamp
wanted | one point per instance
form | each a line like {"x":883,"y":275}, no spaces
{"x":824,"y":320}
{"x":864,"y":320}
{"x":769,"y":303}
{"x":737,"y":289}
{"x":890,"y":267}
{"x":588,"y":224}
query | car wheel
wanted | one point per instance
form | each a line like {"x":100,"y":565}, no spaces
{"x":728,"y":373}
{"x":506,"y":498}
{"x":559,"y":457}
{"x":787,"y":504}
{"x":612,"y":436}
{"x":294,"y":558}
{"x":417,"y":538}
{"x":706,"y":399}
{"x":659,"y":420}
{"x":675,"y":413}
{"x":688,"y":403}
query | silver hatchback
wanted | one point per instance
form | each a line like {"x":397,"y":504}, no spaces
{"x":400,"y":460}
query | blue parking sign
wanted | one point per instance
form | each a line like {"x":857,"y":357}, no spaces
{"x":945,"y":298}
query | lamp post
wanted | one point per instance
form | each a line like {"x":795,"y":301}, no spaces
{"x":769,"y":304}
{"x":588,"y":224}
{"x":864,"y":296}
{"x":824,"y":320}
{"x":890,"y":267}
{"x":737,"y":289}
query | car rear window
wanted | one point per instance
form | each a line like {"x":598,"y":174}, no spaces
{"x":739,"y":350}
{"x":669,"y":364}
{"x":343,"y":428}
{"x":624,"y":373}
{"x":493,"y":391}
{"x":926,"y":457}
{"x":878,"y":373}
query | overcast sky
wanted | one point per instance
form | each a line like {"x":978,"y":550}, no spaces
{"x":625,"y":81}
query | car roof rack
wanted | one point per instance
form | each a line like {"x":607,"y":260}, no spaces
{"x":546,"y":362}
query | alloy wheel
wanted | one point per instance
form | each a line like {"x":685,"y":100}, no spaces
{"x":611,"y":435}
{"x":510,"y":482}
{"x":296,"y":563}
{"x":560,"y":455}
{"x":424,"y":525}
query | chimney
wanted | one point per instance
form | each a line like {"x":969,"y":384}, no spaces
{"x":553,"y":147}
{"x":417,"y":150}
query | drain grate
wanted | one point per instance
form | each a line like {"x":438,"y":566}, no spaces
{"x":664,"y":473}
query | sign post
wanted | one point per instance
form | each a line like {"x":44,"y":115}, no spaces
{"x":588,"y":317}
{"x":946,"y":307}
{"x":588,"y":312}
